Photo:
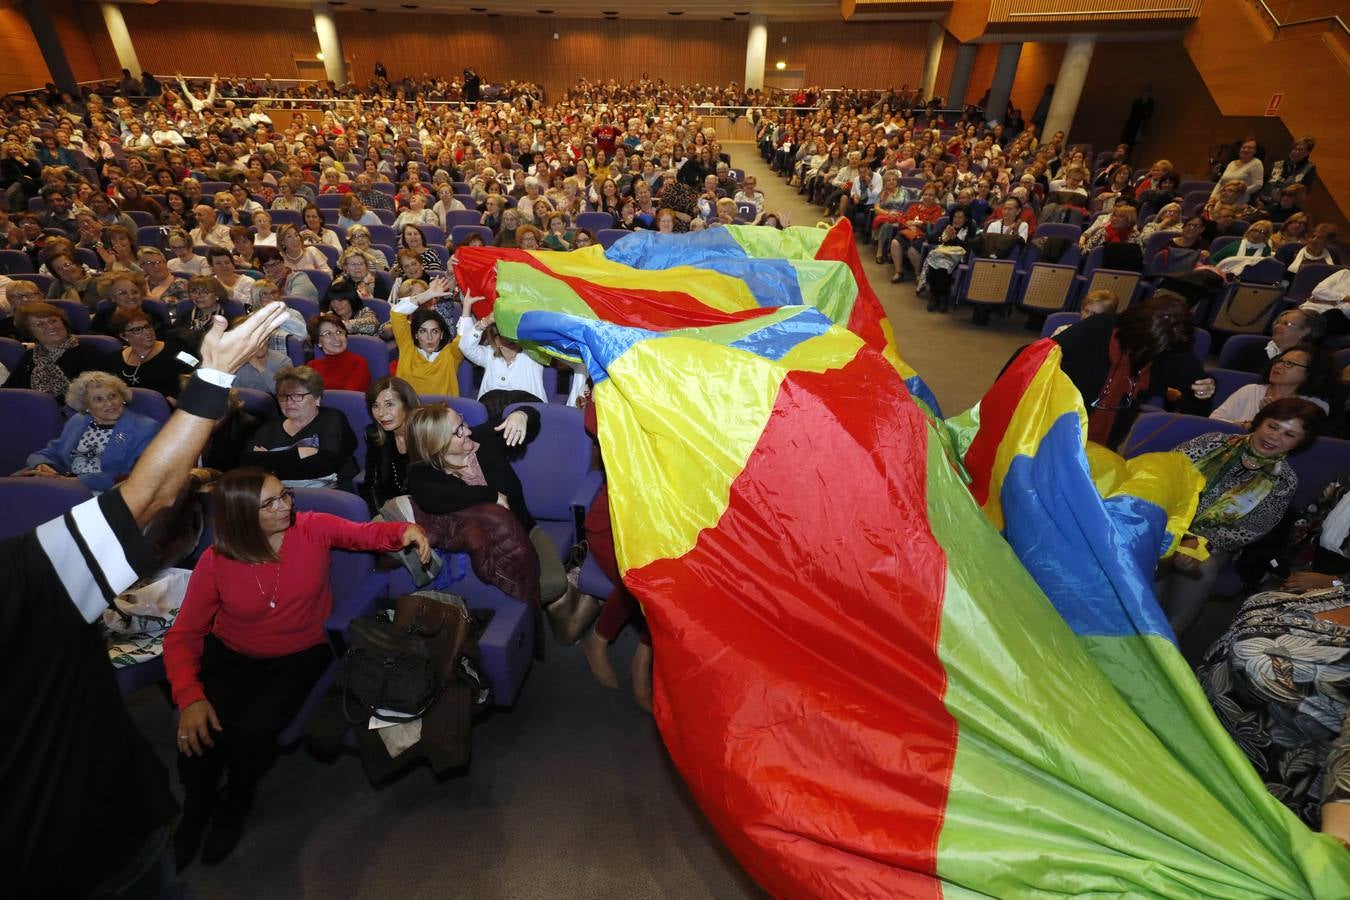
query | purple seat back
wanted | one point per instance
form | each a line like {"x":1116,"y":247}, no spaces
{"x":609,"y":236}
{"x":594,"y":221}
{"x":258,"y":403}
{"x":554,"y":464}
{"x":1227,"y":381}
{"x":28,"y":502}
{"x":1324,"y":460}
{"x":461,"y":233}
{"x":352,"y":405}
{"x":348,"y":569}
{"x":1059,"y":230}
{"x":473,"y":412}
{"x":15,"y":262}
{"x":1237,"y":344}
{"x":11,"y":351}
{"x":462,"y":217}
{"x":150,"y":403}
{"x":1158,"y":432}
{"x":305,"y":307}
{"x":1307,"y":279}
{"x":78,"y":314}
{"x":32,"y":419}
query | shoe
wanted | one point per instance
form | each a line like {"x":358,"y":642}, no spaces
{"x":596,"y":650}
{"x":227,"y":826}
{"x":642,"y":676}
{"x":896,"y":279}
{"x":571,"y":614}
{"x":187,"y":836}
{"x":932,"y":304}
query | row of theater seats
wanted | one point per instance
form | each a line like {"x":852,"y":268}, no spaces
{"x":559,"y":485}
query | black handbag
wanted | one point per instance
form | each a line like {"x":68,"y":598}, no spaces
{"x":387,"y":673}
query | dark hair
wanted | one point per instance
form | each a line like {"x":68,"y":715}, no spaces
{"x":414,"y":227}
{"x":316,"y":322}
{"x":264,"y":255}
{"x":120,"y":319}
{"x":959,"y":208}
{"x":234,"y":514}
{"x":421,"y":317}
{"x":1151,"y":328}
{"x":215,"y":253}
{"x":401,"y":389}
{"x":1309,"y":414}
{"x":1321,"y":378}
{"x":304,"y":215}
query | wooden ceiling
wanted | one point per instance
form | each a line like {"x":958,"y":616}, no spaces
{"x":727,"y":10}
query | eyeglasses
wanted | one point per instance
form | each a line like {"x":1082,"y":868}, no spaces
{"x":1289,"y":364}
{"x":138,"y":329}
{"x":285,"y":498}
{"x":295,"y":397}
{"x":462,"y":430}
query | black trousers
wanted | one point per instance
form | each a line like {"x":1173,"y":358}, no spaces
{"x":254,"y":699}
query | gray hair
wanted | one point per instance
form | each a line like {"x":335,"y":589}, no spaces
{"x":82,"y":384}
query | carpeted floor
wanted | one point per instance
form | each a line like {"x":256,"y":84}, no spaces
{"x":570,"y":794}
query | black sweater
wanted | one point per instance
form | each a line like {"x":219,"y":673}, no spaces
{"x":329,"y":432}
{"x":438,"y":492}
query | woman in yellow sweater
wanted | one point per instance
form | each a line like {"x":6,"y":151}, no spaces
{"x":428,"y":355}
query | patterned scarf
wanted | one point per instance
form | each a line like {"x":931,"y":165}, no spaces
{"x":1245,"y":487}
{"x":47,"y":376}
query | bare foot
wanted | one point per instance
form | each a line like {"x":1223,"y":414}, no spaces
{"x":642,"y":676}
{"x":596,"y":650}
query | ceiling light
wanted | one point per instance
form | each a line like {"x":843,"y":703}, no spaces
{"x":319,"y":56}
{"x":780,"y":65}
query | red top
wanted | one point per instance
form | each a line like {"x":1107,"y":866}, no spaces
{"x":347,"y":371}
{"x":232,"y":599}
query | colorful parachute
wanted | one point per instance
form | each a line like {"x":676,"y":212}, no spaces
{"x":864,"y":686}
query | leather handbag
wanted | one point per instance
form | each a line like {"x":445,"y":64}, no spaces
{"x":442,"y":620}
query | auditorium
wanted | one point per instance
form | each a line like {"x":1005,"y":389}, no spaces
{"x":823,"y":449}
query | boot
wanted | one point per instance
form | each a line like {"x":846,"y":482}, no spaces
{"x":945,"y":306}
{"x":227,"y":826}
{"x":187,"y":836}
{"x":571,"y":614}
{"x":596,"y":650}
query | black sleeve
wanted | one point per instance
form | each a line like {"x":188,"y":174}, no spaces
{"x":1179,"y":369}
{"x":1084,"y":358}
{"x":437,"y":492}
{"x":22,"y":376}
{"x":375,"y":489}
{"x":336,"y":443}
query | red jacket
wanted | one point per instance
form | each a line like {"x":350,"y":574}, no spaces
{"x":347,"y":371}
{"x":233,"y":600}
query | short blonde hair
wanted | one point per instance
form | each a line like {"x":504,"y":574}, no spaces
{"x":77,"y":393}
{"x":431,"y":428}
{"x":1099,"y":301}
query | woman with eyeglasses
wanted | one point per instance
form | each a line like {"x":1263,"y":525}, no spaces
{"x":100,"y":444}
{"x":310,"y":445}
{"x":160,"y":282}
{"x":339,"y":368}
{"x":1301,"y":371}
{"x":248,"y":645}
{"x":122,"y":292}
{"x":145,"y":361}
{"x":1254,"y":244}
{"x":185,"y":261}
{"x":1248,"y":487}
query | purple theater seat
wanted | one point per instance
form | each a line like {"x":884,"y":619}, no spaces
{"x":1156,"y":432}
{"x":352,"y":405}
{"x":555,"y":472}
{"x":28,"y":502}
{"x":1227,"y":382}
{"x":31,"y":419}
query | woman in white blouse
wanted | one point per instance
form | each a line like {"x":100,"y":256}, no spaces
{"x":1011,"y":222}
{"x":1247,"y":169}
{"x":1301,"y":371}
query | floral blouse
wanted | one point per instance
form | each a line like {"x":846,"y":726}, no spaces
{"x":1279,"y":680}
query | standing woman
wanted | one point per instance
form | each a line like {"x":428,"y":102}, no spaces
{"x":248,"y":644}
{"x":391,"y":400}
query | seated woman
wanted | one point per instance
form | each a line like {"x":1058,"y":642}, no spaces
{"x":1116,"y":360}
{"x":248,"y":645}
{"x":417,"y":212}
{"x":1116,"y":228}
{"x":428,"y":349}
{"x":1254,"y":245}
{"x":260,"y":372}
{"x":455,"y":467}
{"x":414,"y":238}
{"x":939,"y":267}
{"x":207,"y":294}
{"x":1167,"y":219}
{"x":1248,"y":487}
{"x":528,"y":238}
{"x":315,"y":232}
{"x":72,"y":281}
{"x":509,"y":374}
{"x":146,"y":360}
{"x":185,"y":262}
{"x":390,"y":400}
{"x":1301,"y":371}
{"x":238,"y":287}
{"x":917,"y":218}
{"x":160,"y":282}
{"x":55,"y":356}
{"x":887,"y":213}
{"x":1278,"y":679}
{"x":358,"y":238}
{"x":339,"y":368}
{"x":1294,"y":230}
{"x":1318,"y":249}
{"x":122,"y":292}
{"x":357,"y":281}
{"x":101,"y":443}
{"x":353,"y":212}
{"x":309,"y":446}
{"x":297,"y":255}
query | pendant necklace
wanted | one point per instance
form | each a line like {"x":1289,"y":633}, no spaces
{"x":272,"y":599}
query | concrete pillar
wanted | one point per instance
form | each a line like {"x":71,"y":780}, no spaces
{"x":325,"y":25}
{"x":121,"y":38}
{"x":1069,"y":85}
{"x":756,"y":51}
{"x":53,"y":54}
{"x":965,"y":62}
{"x":931,"y":59}
{"x":1004,"y":73}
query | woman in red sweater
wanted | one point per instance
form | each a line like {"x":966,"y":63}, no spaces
{"x":340,"y":369}
{"x":248,"y":644}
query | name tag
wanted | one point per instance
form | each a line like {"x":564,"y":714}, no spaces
{"x":188,"y":359}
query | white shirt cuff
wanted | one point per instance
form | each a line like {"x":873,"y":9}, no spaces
{"x":216,"y":377}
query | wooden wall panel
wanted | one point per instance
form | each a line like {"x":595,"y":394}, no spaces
{"x":1036,"y":67}
{"x":200,"y":39}
{"x":22,"y":67}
